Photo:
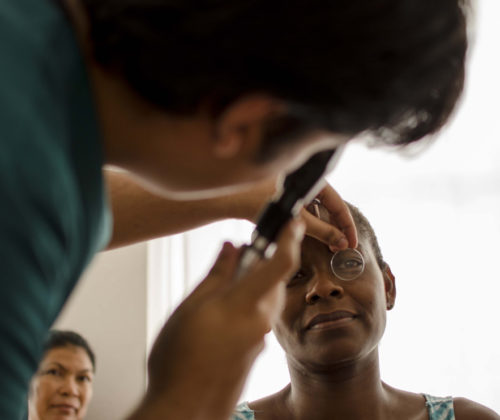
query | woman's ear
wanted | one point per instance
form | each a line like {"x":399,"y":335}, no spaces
{"x":390,"y":287}
{"x":240,"y":127}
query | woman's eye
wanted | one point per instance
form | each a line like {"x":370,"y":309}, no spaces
{"x":352,"y":263}
{"x":84,"y":378}
{"x":298,"y":276}
{"x":54,"y":372}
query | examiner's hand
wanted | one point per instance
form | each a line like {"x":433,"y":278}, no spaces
{"x":201,"y":358}
{"x":340,"y":233}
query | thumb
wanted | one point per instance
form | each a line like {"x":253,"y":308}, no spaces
{"x":221,"y":273}
{"x":267,"y":274}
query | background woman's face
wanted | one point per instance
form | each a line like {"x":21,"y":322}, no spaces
{"x":327,"y":320}
{"x":62,"y":387}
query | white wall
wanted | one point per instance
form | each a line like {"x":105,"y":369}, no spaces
{"x":109,"y":309}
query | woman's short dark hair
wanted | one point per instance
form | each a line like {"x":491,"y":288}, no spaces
{"x":365,"y":230}
{"x":392,"y":68}
{"x":60,"y":338}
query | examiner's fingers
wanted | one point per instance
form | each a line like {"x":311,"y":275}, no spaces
{"x":280,"y":267}
{"x":324,"y":231}
{"x":340,"y":216}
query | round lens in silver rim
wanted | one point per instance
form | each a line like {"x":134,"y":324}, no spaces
{"x":347,"y":264}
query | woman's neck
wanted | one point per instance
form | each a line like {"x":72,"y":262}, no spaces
{"x":351,"y":390}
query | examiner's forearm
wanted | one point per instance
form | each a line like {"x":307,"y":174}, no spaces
{"x":196,"y":396}
{"x":140,"y":215}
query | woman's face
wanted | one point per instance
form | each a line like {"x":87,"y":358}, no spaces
{"x":62,"y":387}
{"x":326,"y":320}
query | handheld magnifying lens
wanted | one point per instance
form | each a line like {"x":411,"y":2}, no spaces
{"x":347,"y":264}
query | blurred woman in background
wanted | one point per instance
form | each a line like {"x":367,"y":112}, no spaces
{"x":62,"y":385}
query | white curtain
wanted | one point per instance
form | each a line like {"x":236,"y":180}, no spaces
{"x":437,"y":217}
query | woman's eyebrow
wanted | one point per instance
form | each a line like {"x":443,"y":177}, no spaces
{"x":59,"y":365}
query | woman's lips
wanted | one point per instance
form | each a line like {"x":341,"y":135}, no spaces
{"x":67,"y":408}
{"x":329,"y":320}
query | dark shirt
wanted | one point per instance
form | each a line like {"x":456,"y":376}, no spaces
{"x":53,"y":212}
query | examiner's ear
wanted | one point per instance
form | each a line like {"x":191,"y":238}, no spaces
{"x":390,"y":287}
{"x":240,"y":127}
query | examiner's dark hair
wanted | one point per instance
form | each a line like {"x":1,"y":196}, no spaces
{"x":365,"y":230}
{"x":392,"y":68}
{"x":59,"y":338}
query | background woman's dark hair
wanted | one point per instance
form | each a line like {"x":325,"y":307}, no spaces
{"x":59,"y":338}
{"x":392,"y":68}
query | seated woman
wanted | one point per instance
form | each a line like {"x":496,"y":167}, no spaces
{"x":62,"y":386}
{"x":330,"y":328}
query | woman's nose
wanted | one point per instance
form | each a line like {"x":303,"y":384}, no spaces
{"x":324,"y":286}
{"x":69,"y":387}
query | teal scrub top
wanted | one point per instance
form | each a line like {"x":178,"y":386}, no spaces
{"x":53,"y":211}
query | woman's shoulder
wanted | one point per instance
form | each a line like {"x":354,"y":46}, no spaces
{"x":243,"y":412}
{"x":470,"y":410}
{"x":462,"y":408}
{"x":267,"y":408}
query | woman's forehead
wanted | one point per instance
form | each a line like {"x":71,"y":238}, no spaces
{"x":68,"y":356}
{"x":312,"y":246}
